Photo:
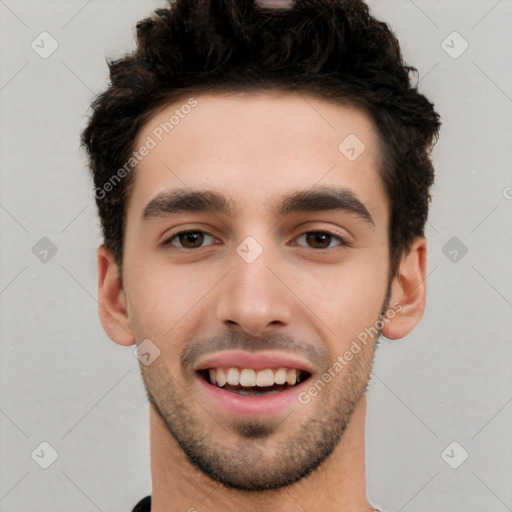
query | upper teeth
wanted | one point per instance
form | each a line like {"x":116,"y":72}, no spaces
{"x":248,"y":377}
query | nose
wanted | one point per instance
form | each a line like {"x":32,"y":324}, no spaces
{"x":254,"y":295}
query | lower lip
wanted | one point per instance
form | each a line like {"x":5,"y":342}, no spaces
{"x":257,"y":405}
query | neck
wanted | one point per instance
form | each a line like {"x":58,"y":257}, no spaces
{"x":338,"y":484}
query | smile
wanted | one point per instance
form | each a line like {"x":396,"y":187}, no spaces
{"x":248,"y":381}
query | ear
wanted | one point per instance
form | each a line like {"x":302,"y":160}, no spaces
{"x":112,"y":299}
{"x":408,"y":291}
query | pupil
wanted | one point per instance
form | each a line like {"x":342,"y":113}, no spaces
{"x":317,"y":236}
{"x":191,"y":236}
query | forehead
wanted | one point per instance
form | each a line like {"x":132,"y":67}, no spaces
{"x":255,"y":146}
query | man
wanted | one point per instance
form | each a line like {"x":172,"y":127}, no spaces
{"x":262,"y":175}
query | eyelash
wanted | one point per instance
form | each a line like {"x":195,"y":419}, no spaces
{"x":342,"y":241}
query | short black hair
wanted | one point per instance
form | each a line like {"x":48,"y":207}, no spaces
{"x":331,"y":49}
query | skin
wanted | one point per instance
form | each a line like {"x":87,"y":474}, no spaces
{"x":297,"y":297}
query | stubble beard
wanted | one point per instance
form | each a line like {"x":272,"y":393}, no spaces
{"x":260,"y":454}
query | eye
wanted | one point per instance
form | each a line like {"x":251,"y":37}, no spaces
{"x":188,"y":239}
{"x":319,"y":239}
{"x":195,"y":239}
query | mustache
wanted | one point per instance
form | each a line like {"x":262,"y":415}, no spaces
{"x":313,"y":352}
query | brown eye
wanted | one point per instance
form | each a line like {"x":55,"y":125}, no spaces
{"x":321,"y":239}
{"x":188,"y":239}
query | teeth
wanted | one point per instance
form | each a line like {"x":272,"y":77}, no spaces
{"x":220,"y":377}
{"x":280,"y":376}
{"x":248,"y":377}
{"x":233,"y":376}
{"x":264,"y":378}
{"x":291,"y":377}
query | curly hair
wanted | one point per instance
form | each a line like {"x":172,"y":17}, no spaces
{"x":330,"y":49}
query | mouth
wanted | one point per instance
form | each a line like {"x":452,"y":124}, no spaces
{"x":264,"y":384}
{"x":254,"y":382}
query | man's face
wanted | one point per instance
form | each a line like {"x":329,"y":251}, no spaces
{"x":253,"y":287}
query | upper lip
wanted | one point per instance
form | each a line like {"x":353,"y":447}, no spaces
{"x":256,"y":361}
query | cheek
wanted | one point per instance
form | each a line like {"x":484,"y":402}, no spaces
{"x":163,"y":298}
{"x":346,"y":297}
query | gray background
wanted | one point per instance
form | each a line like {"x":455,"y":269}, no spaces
{"x":65,"y":383}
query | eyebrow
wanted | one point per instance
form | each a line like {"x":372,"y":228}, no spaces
{"x":183,"y":200}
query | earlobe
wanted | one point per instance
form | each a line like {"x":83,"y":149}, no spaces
{"x":409,"y":291}
{"x":112,"y":304}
